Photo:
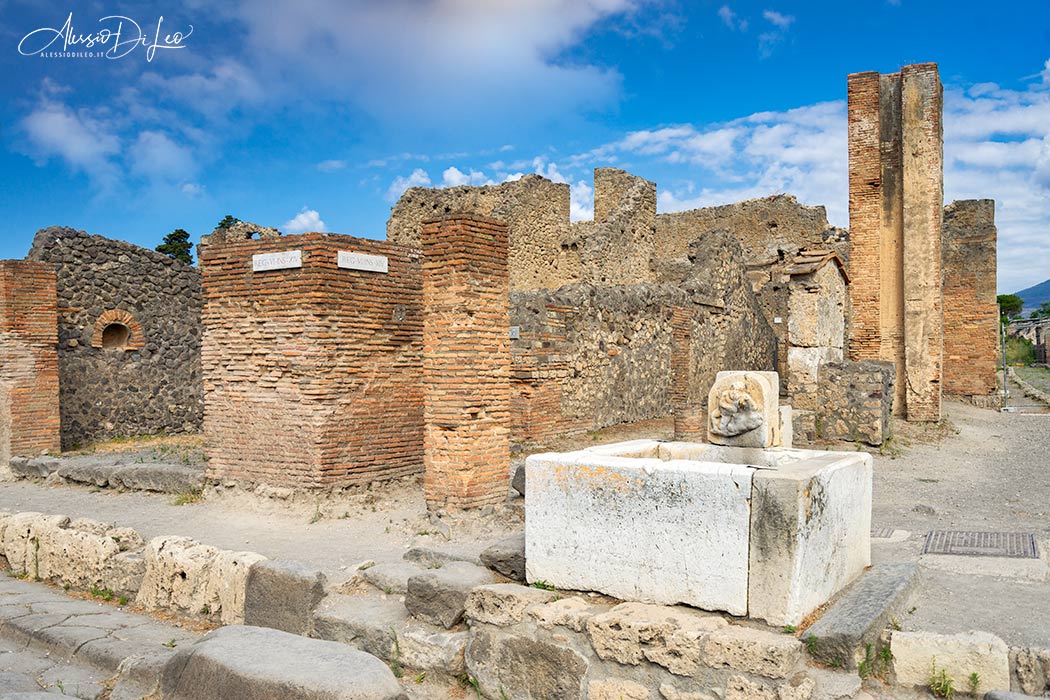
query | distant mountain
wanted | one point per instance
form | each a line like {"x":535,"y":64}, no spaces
{"x":1034,"y":296}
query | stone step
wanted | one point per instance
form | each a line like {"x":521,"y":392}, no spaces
{"x":860,"y":615}
{"x":507,"y":557}
{"x":439,"y":596}
{"x":248,"y":663}
{"x":392,"y":577}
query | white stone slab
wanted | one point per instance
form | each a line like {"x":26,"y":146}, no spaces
{"x":361,"y":261}
{"x":283,"y":260}
{"x":810,"y":533}
{"x":639,"y":529}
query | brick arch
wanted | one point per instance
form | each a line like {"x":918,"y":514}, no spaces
{"x":135,"y":339}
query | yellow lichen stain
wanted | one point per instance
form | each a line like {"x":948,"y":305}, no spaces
{"x":594,"y":477}
{"x":806,"y":495}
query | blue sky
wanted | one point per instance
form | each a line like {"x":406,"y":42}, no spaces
{"x":314,"y":115}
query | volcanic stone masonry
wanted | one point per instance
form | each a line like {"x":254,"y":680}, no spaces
{"x":128,"y":337}
{"x":29,"y":422}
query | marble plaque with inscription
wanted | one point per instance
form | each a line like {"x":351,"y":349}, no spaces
{"x":284,"y":260}
{"x":361,"y":261}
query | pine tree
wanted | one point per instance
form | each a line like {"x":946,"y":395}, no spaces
{"x":177,"y":245}
{"x":228,"y":221}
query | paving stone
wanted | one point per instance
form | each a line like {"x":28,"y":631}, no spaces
{"x":858,"y":617}
{"x":439,"y":596}
{"x":524,"y":668}
{"x":159,"y":477}
{"x":504,"y":604}
{"x":916,"y":653}
{"x":432,"y":558}
{"x":255,"y":663}
{"x":749,"y":650}
{"x":283,"y":595}
{"x":392,"y":578}
{"x":1004,"y":695}
{"x":507,"y":557}
{"x":365,"y":622}
{"x":17,"y":683}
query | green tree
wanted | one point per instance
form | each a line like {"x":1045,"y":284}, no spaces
{"x":1042,"y":312}
{"x":177,"y":245}
{"x":1010,"y":304}
{"x":228,"y":221}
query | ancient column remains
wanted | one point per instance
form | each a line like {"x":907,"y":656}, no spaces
{"x":466,"y":362}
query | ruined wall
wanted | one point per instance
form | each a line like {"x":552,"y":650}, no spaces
{"x":971,"y":314}
{"x":855,"y":401}
{"x":816,"y":321}
{"x":466,"y":363}
{"x":312,"y":373}
{"x":29,"y":419}
{"x":896,"y":199}
{"x":128,"y":337}
{"x":535,"y":210}
{"x":589,"y":357}
{"x":1036,"y":331}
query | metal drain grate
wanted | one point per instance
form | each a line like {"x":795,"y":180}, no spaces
{"x":1012,"y":545}
{"x":882,"y":532}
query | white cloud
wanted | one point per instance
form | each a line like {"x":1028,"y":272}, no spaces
{"x":781,"y":21}
{"x":330,"y":166}
{"x":454,"y":177}
{"x":192,"y":189}
{"x":384,"y":57}
{"x":581,"y":202}
{"x":156,"y":157}
{"x":417,"y":178}
{"x":84,"y":143}
{"x":731,"y":20}
{"x":305,"y":220}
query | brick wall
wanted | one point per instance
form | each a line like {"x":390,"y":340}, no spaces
{"x":29,"y":416}
{"x":466,"y":362}
{"x":896,"y":199}
{"x":312,"y":374}
{"x":971,"y":315}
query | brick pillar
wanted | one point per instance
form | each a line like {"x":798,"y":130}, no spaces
{"x":466,"y":362}
{"x":690,"y":417}
{"x":29,"y":417}
{"x":922,"y":146}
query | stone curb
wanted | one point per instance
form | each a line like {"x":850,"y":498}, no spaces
{"x":1028,"y":388}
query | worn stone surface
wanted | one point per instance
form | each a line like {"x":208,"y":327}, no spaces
{"x":743,"y":409}
{"x":769,"y":654}
{"x":741,"y":688}
{"x":575,"y":499}
{"x":617,"y":689}
{"x":571,"y":612}
{"x":504,"y":604}
{"x":524,"y":668}
{"x":440,"y":596}
{"x":507,"y":557}
{"x":672,"y":637}
{"x":253,"y":663}
{"x":916,"y":653}
{"x":857,"y":619}
{"x":431,"y":650}
{"x":1032,"y":668}
{"x":855,"y":401}
{"x":149,"y":384}
{"x":391,"y":577}
{"x":178,"y":576}
{"x":810,"y":533}
{"x":282,"y":595}
{"x":363,"y":622}
{"x":669,"y":692}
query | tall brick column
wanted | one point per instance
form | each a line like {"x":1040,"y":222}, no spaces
{"x":690,"y":415}
{"x":896,"y":171}
{"x":29,"y":418}
{"x":466,"y":362}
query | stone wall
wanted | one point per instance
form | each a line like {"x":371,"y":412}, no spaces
{"x":29,"y":414}
{"x":312,"y":373}
{"x":535,"y":210}
{"x":971,"y":313}
{"x":466,"y":363}
{"x":1037,"y":332}
{"x":588,"y":357}
{"x":855,"y":401}
{"x":128,"y":337}
{"x":896,"y":199}
{"x":816,"y":325}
